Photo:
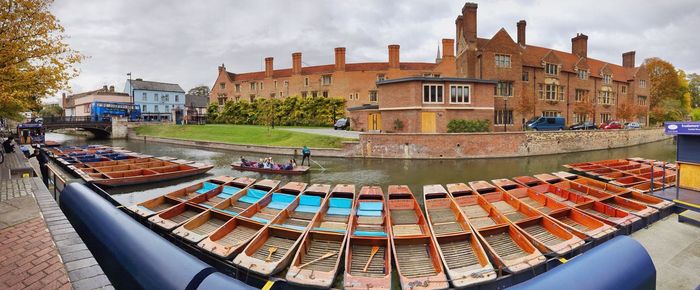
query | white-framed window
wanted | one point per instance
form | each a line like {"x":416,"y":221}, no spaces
{"x":623,"y":89}
{"x":459,"y":94}
{"x":144,"y":96}
{"x":503,"y":117}
{"x":155,"y":108}
{"x":324,"y":94}
{"x":551,"y":69}
{"x":373,"y":96}
{"x":582,"y":74}
{"x":314,"y":94}
{"x":155,"y":97}
{"x":306,"y":82}
{"x":581,"y":95}
{"x":274,"y":84}
{"x":167,"y":108}
{"x":606,"y":97}
{"x":281,"y":95}
{"x":551,"y":113}
{"x":177,"y":98}
{"x":642,"y":100}
{"x":551,"y":92}
{"x":526,"y":76}
{"x":238,"y":88}
{"x":143,"y":108}
{"x":253,"y":86}
{"x":642,"y":83}
{"x":605,"y":117}
{"x":222,"y":86}
{"x":261,"y":86}
{"x":579,"y":118}
{"x":433,"y":93}
{"x":381,"y":77}
{"x":502,"y":61}
{"x":607,"y":79}
{"x":326,"y":80}
{"x":504,"y":89}
{"x":286,"y":84}
{"x":165,"y":98}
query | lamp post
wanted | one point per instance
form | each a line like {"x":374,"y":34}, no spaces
{"x":505,"y":114}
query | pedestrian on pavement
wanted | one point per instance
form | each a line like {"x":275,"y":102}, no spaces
{"x":43,"y":160}
{"x":306,"y":154}
{"x":8,"y":146}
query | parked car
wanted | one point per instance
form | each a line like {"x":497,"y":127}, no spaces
{"x":342,"y":124}
{"x":611,"y":125}
{"x":633,"y":125}
{"x":587,"y":125}
{"x":547,"y":123}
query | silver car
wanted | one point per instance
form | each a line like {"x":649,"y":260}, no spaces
{"x":633,"y":125}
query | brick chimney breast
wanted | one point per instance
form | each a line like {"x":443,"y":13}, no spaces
{"x":579,"y":45}
{"x":340,"y":58}
{"x":296,"y":63}
{"x":394,"y":56}
{"x":268,"y":67}
{"x":628,"y":59}
{"x":521,"y":32}
{"x":469,"y":24}
{"x":448,"y":47}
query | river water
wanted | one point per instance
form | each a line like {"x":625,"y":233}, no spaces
{"x":383,"y":172}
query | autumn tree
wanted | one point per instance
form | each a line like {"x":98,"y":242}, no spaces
{"x":525,"y":106}
{"x":35,"y":60}
{"x":201,"y":90}
{"x":664,"y":89}
{"x":694,"y":87}
{"x":52,"y":110}
{"x":626,"y":111}
{"x":684,"y":93}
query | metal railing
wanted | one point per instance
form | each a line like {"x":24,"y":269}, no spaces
{"x":74,"y":120}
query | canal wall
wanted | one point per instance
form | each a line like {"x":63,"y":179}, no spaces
{"x":499,"y":144}
{"x":450,"y":145}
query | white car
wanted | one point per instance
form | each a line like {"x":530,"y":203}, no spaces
{"x":633,"y":125}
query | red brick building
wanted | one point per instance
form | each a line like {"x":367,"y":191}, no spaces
{"x":509,"y":81}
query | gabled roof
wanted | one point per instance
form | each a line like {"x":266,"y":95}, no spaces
{"x":533,"y":56}
{"x":156,"y":86}
{"x":96,"y":92}
{"x":330,"y":68}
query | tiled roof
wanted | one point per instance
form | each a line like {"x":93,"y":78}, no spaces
{"x":330,"y":68}
{"x":156,"y":86}
{"x":533,"y":55}
{"x":96,"y":92}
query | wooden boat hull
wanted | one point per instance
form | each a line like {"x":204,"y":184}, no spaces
{"x":154,"y":206}
{"x":299,"y":170}
{"x":231,"y":238}
{"x":510,"y":249}
{"x":549,"y":237}
{"x":253,"y":257}
{"x":126,"y":181}
{"x":175,"y":216}
{"x":201,"y":226}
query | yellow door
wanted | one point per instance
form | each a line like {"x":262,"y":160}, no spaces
{"x":428,"y":123}
{"x":690,"y":176}
{"x":374,"y":122}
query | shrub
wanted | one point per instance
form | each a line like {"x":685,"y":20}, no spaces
{"x":291,"y":111}
{"x":462,"y":126}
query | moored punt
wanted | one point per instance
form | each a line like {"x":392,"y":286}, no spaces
{"x":368,"y":250}
{"x":140,"y":172}
{"x":615,"y":174}
{"x":417,"y":260}
{"x":156,"y":205}
{"x":603,"y":186}
{"x":230,"y":239}
{"x":465,"y":260}
{"x":297,"y":170}
{"x":175,"y":216}
{"x":187,"y":193}
{"x":201,"y":226}
{"x":244,"y":193}
{"x":663,"y":206}
{"x":510,"y":207}
{"x":271,"y":251}
{"x":506,"y":184}
{"x":483,"y":188}
{"x":477,"y":210}
{"x":528,"y":181}
{"x":610,"y":215}
{"x":317,"y":260}
{"x":628,"y":181}
{"x":577,"y":188}
{"x":153,"y":206}
{"x":510,"y":249}
{"x":647,"y":187}
{"x":269,"y":207}
{"x":222,"y":193}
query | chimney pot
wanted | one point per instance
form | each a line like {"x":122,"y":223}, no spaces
{"x":521,"y":32}
{"x":296,"y":63}
{"x":628,"y":59}
{"x":340,"y":58}
{"x":268,"y":67}
{"x":394,"y":61}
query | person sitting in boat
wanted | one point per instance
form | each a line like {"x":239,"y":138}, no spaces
{"x":245,"y":162}
{"x":267,"y":163}
{"x":261,"y":163}
{"x":289,"y":165}
{"x":294,"y":163}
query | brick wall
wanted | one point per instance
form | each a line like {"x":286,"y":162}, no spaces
{"x":510,"y":144}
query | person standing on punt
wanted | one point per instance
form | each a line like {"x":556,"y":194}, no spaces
{"x":306,"y":154}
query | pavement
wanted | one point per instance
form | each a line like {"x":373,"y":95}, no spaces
{"x":675,"y":250}
{"x":327,"y":132}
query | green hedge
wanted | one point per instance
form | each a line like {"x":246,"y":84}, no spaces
{"x":462,"y":126}
{"x":291,"y":111}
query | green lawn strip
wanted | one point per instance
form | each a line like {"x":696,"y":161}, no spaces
{"x":242,"y":134}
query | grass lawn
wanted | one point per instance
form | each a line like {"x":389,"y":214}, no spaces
{"x":241,"y":134}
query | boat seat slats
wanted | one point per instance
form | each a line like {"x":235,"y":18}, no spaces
{"x":447,"y":228}
{"x":414,"y":261}
{"x":303,"y":215}
{"x":237,"y":235}
{"x":515,"y":216}
{"x":184,"y":216}
{"x":441,"y":215}
{"x":283,"y":246}
{"x":209,"y":226}
{"x":367,"y":220}
{"x":458,"y":254}
{"x":403,"y":217}
{"x":335,"y":218}
{"x":554,"y":196}
{"x":504,"y":246}
{"x":318,"y":248}
{"x":482,"y":222}
{"x":406,"y":230}
{"x":503,"y":207}
{"x":473,"y":211}
{"x":360,"y":255}
{"x":543,"y":235}
{"x":572,"y":223}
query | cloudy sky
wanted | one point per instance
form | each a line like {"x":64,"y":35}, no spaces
{"x":184,"y":41}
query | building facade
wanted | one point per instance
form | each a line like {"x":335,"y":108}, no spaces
{"x":529,"y":81}
{"x":79,"y":105}
{"x":158,"y":101}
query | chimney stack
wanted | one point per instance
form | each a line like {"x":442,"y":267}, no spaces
{"x":268,"y":67}
{"x":628,"y":59}
{"x":469,"y":25}
{"x":296,"y":63}
{"x":579,"y":45}
{"x":222,"y":68}
{"x":459,"y":23}
{"x":340,"y":58}
{"x":521,"y":32}
{"x":394,"y":56}
{"x":104,"y":88}
{"x":111,"y":88}
{"x":448,"y":48}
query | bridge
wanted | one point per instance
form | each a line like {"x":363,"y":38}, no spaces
{"x":101,"y":129}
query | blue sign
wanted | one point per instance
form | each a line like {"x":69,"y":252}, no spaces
{"x":682,"y":128}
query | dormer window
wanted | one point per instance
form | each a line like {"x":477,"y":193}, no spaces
{"x":582,"y":74}
{"x":607,"y":79}
{"x":551,"y":69}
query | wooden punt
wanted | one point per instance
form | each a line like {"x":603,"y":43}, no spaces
{"x":592,"y":183}
{"x":478,"y":211}
{"x":483,"y":188}
{"x":510,"y":249}
{"x":510,"y":207}
{"x":273,"y":249}
{"x":632,"y":165}
{"x":577,"y":188}
{"x":528,"y":181}
{"x":613,"y":175}
{"x":668,"y":176}
{"x":647,"y":187}
{"x":465,"y":260}
{"x":635,"y":208}
{"x":269,"y":207}
{"x":649,"y":200}
{"x":298,"y":170}
{"x":610,"y":215}
{"x":176,"y":216}
{"x":317,"y":260}
{"x":627,"y":181}
{"x":418,"y":262}
{"x":222,"y":193}
{"x":109,"y":176}
{"x":368,"y":251}
{"x":156,"y":205}
{"x":600,"y":172}
{"x":230,"y":239}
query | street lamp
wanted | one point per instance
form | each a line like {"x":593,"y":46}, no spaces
{"x":505,"y":114}
{"x":131,"y":88}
